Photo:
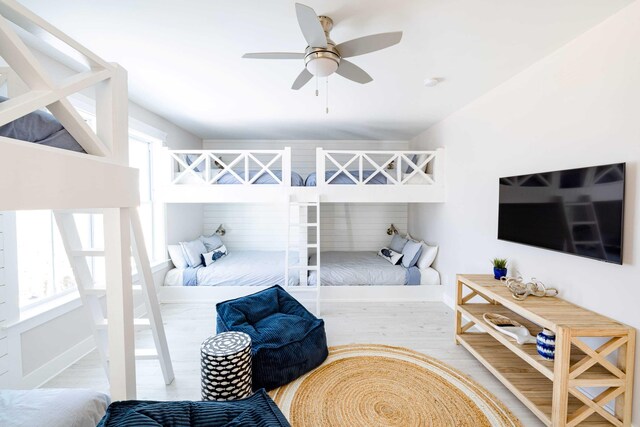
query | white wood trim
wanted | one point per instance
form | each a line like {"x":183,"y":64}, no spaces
{"x":46,"y":32}
{"x":122,"y":367}
{"x":201,"y":187}
{"x":38,"y":177}
{"x":215,"y":294}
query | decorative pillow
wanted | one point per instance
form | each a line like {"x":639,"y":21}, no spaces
{"x":411,"y":253}
{"x":192,"y":251}
{"x":390,"y":255}
{"x":211,"y":242}
{"x":427,"y":256}
{"x":211,"y":257}
{"x":177,"y":256}
{"x":397,"y":243}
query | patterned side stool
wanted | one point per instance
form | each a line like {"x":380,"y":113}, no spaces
{"x":225,"y":361}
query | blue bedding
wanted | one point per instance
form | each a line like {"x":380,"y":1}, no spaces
{"x":42,"y":128}
{"x":344,"y":179}
{"x":264,"y":178}
{"x":257,"y":410}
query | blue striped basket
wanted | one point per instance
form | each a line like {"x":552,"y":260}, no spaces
{"x":546,"y":344}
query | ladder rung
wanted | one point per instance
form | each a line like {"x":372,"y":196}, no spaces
{"x":80,"y":211}
{"x":312,"y":245}
{"x":303,"y":224}
{"x":304,"y":203}
{"x":103,"y":291}
{"x":87,"y":252}
{"x":138,"y":323}
{"x":146,"y":354}
{"x":304,"y":267}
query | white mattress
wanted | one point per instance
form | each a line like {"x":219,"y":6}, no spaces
{"x":52,"y":407}
{"x":240,"y":268}
{"x":340,"y":268}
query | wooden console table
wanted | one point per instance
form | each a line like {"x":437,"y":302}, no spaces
{"x":551,"y":389}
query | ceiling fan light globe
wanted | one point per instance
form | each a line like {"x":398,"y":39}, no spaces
{"x":322,"y":67}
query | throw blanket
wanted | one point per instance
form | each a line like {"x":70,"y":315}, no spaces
{"x":344,"y":179}
{"x":257,"y":410}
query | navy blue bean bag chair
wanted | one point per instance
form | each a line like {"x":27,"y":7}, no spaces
{"x":257,"y":410}
{"x":287,"y":341}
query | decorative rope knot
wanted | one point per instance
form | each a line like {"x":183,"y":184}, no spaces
{"x":521,"y":290}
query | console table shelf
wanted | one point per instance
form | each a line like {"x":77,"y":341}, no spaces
{"x":552,"y":390}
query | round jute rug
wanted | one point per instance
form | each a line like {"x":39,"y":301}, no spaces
{"x":378,"y":385}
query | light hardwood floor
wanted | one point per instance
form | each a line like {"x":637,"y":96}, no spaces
{"x":425,"y":327}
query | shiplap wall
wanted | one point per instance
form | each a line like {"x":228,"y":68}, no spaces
{"x":4,"y":347}
{"x":355,"y":226}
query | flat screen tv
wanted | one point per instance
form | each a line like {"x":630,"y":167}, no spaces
{"x":576,"y":211}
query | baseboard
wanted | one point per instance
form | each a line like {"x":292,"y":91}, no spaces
{"x":450,"y":302}
{"x":58,"y":364}
{"x":215,"y":294}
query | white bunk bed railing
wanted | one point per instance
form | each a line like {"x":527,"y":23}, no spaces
{"x":361,"y":168}
{"x":243,"y":167}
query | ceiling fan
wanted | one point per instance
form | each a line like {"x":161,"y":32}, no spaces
{"x":323,"y":57}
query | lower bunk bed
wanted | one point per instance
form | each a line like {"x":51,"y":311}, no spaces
{"x":345,"y":276}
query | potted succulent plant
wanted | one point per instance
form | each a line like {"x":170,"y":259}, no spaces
{"x":499,"y":267}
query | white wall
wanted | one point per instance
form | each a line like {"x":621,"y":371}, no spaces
{"x":343,"y":226}
{"x":577,"y":107}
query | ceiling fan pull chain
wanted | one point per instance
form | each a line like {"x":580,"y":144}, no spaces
{"x":317,"y":92}
{"x":327,"y":96}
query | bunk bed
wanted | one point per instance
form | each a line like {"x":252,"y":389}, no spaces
{"x":66,"y":167}
{"x":268,"y":176}
{"x":265,"y":176}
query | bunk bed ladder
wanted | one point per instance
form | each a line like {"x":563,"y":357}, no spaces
{"x":302,"y":246}
{"x":91,"y":295}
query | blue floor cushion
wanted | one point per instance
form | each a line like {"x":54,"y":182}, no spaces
{"x":287,"y":341}
{"x":257,"y":410}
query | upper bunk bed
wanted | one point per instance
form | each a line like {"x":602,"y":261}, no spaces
{"x":44,"y":68}
{"x":263,"y":176}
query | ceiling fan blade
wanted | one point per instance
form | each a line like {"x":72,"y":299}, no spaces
{"x":368,"y":44}
{"x":274,"y":55}
{"x":310,"y":26}
{"x":351,"y":71}
{"x":302,"y":79}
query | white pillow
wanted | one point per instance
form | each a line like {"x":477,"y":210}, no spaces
{"x":192,"y":251}
{"x":427,"y":256}
{"x":177,"y":256}
{"x":211,"y":257}
{"x":390,"y":255}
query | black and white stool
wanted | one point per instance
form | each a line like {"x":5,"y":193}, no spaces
{"x":226,"y":366}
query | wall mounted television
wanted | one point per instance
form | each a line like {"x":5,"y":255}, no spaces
{"x":576,"y":211}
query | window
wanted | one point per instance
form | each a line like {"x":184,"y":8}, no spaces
{"x":141,"y":154}
{"x":44,"y":271}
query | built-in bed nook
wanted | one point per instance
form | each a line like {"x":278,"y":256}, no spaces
{"x":298,"y":199}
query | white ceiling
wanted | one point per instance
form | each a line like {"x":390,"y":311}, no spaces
{"x":183,"y":58}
